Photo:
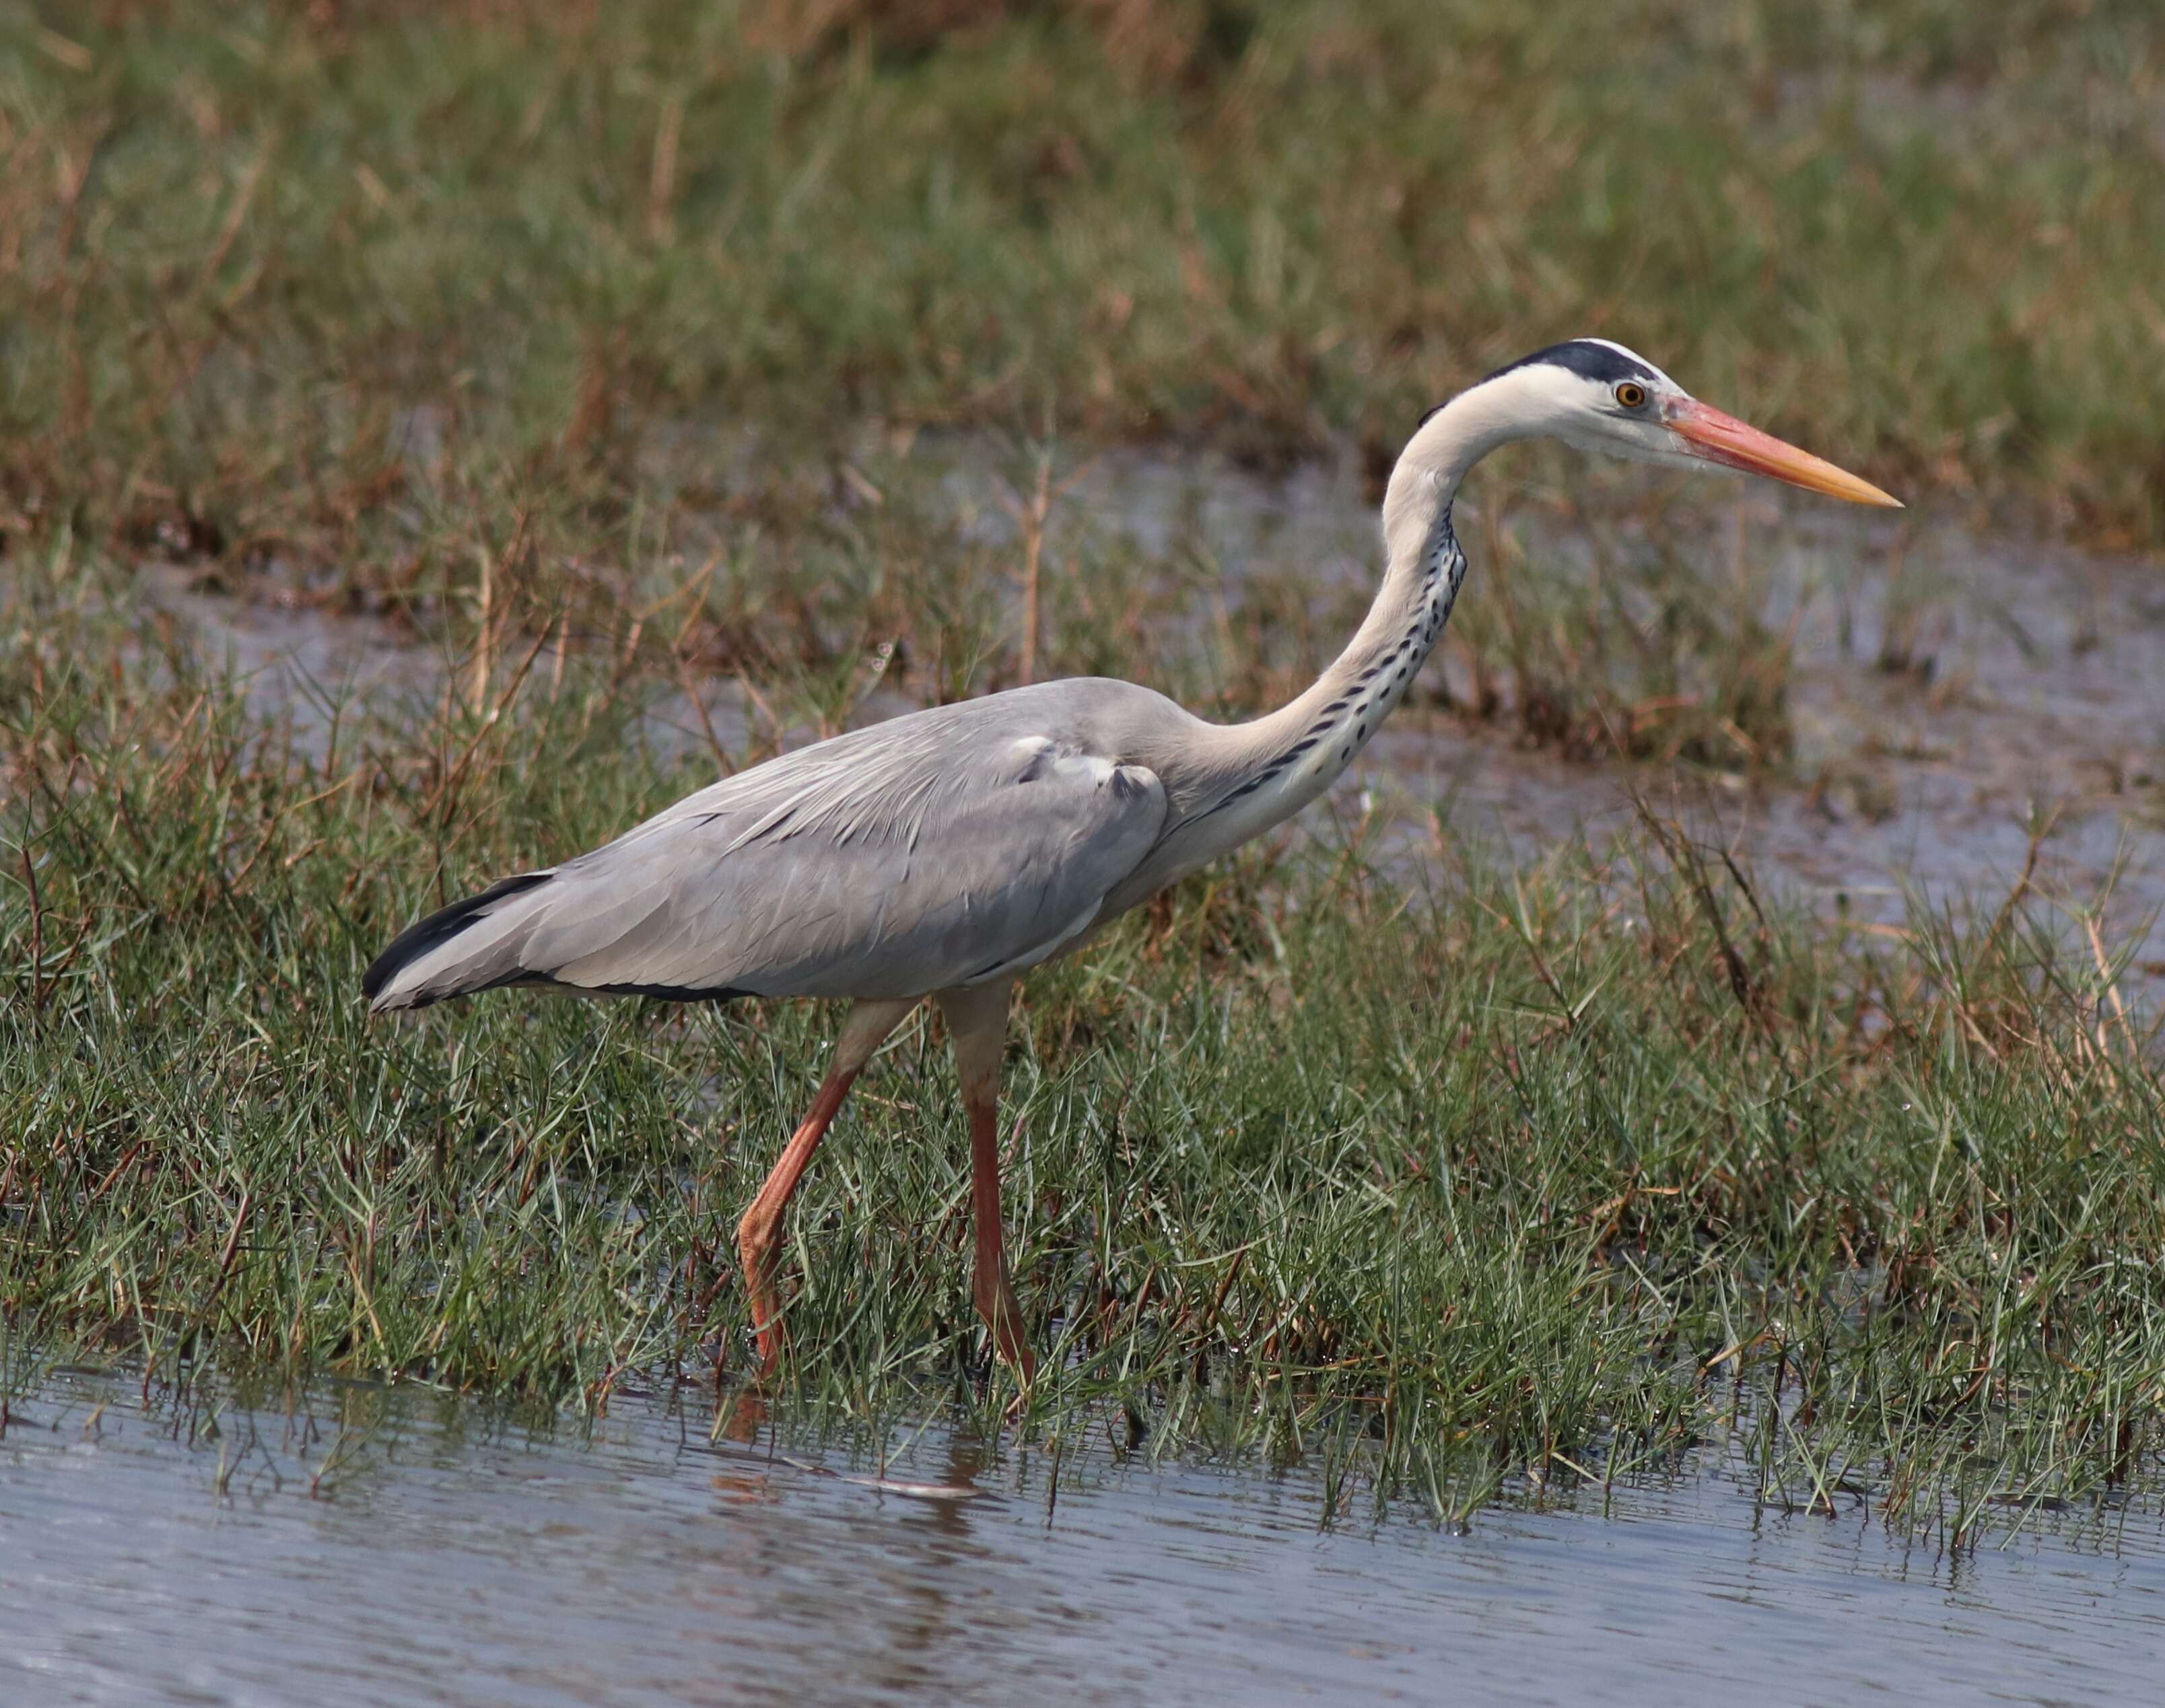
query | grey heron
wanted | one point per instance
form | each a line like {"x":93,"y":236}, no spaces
{"x":943,"y":853}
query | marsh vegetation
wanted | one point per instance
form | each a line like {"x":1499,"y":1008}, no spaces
{"x":605,"y":359}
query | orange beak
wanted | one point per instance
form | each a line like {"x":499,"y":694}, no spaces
{"x":1724,"y":439}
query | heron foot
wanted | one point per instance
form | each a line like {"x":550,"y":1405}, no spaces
{"x":757,"y":1252}
{"x":1003,"y":1316}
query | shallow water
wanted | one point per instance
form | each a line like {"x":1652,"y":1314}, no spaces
{"x":386,"y":1548}
{"x":1947,"y":690}
{"x":2029,"y":687}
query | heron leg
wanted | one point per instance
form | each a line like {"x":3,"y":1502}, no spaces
{"x":978,"y":1021}
{"x":759,"y":1234}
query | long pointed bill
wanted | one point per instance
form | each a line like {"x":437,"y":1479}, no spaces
{"x":1724,"y":439}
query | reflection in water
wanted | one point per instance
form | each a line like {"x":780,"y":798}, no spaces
{"x":377,"y":1548}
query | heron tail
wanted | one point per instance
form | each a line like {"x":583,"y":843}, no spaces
{"x":452,"y":951}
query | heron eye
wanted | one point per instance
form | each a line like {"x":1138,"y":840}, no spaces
{"x":1631,"y":395}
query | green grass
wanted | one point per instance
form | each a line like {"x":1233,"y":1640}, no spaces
{"x":648,"y":334}
{"x":425,"y":309}
{"x":241,"y":242}
{"x":1560,"y":1173}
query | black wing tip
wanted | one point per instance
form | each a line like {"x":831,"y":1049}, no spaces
{"x":437,"y":929}
{"x":667,"y":993}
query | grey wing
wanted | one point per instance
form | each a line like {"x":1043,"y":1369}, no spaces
{"x":934,"y":851}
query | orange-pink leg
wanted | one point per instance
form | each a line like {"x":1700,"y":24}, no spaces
{"x":977,"y":1020}
{"x":759,"y":1234}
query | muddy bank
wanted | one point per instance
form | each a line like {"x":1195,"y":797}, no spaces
{"x":1958,"y":704}
{"x":1952,"y":697}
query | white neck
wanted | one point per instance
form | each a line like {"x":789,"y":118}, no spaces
{"x":1290,"y":756}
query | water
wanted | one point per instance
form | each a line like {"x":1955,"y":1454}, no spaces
{"x":393,"y":1548}
{"x":1948,"y":690}
{"x":2027,"y":691}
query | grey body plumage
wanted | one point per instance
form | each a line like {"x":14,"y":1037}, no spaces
{"x":945,"y":852}
{"x":937,"y":850}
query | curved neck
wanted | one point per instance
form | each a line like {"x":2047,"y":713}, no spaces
{"x":1422,"y":568}
{"x":1289,"y":756}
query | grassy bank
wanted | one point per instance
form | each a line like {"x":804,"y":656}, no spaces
{"x":242,"y":247}
{"x":1556,"y":1173}
{"x":615,"y":351}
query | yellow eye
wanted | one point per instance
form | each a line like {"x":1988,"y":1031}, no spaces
{"x":1631,"y":395}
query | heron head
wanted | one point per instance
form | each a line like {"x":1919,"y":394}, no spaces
{"x":1599,"y":396}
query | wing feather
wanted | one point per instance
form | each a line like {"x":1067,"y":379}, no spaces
{"x":939,"y":849}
